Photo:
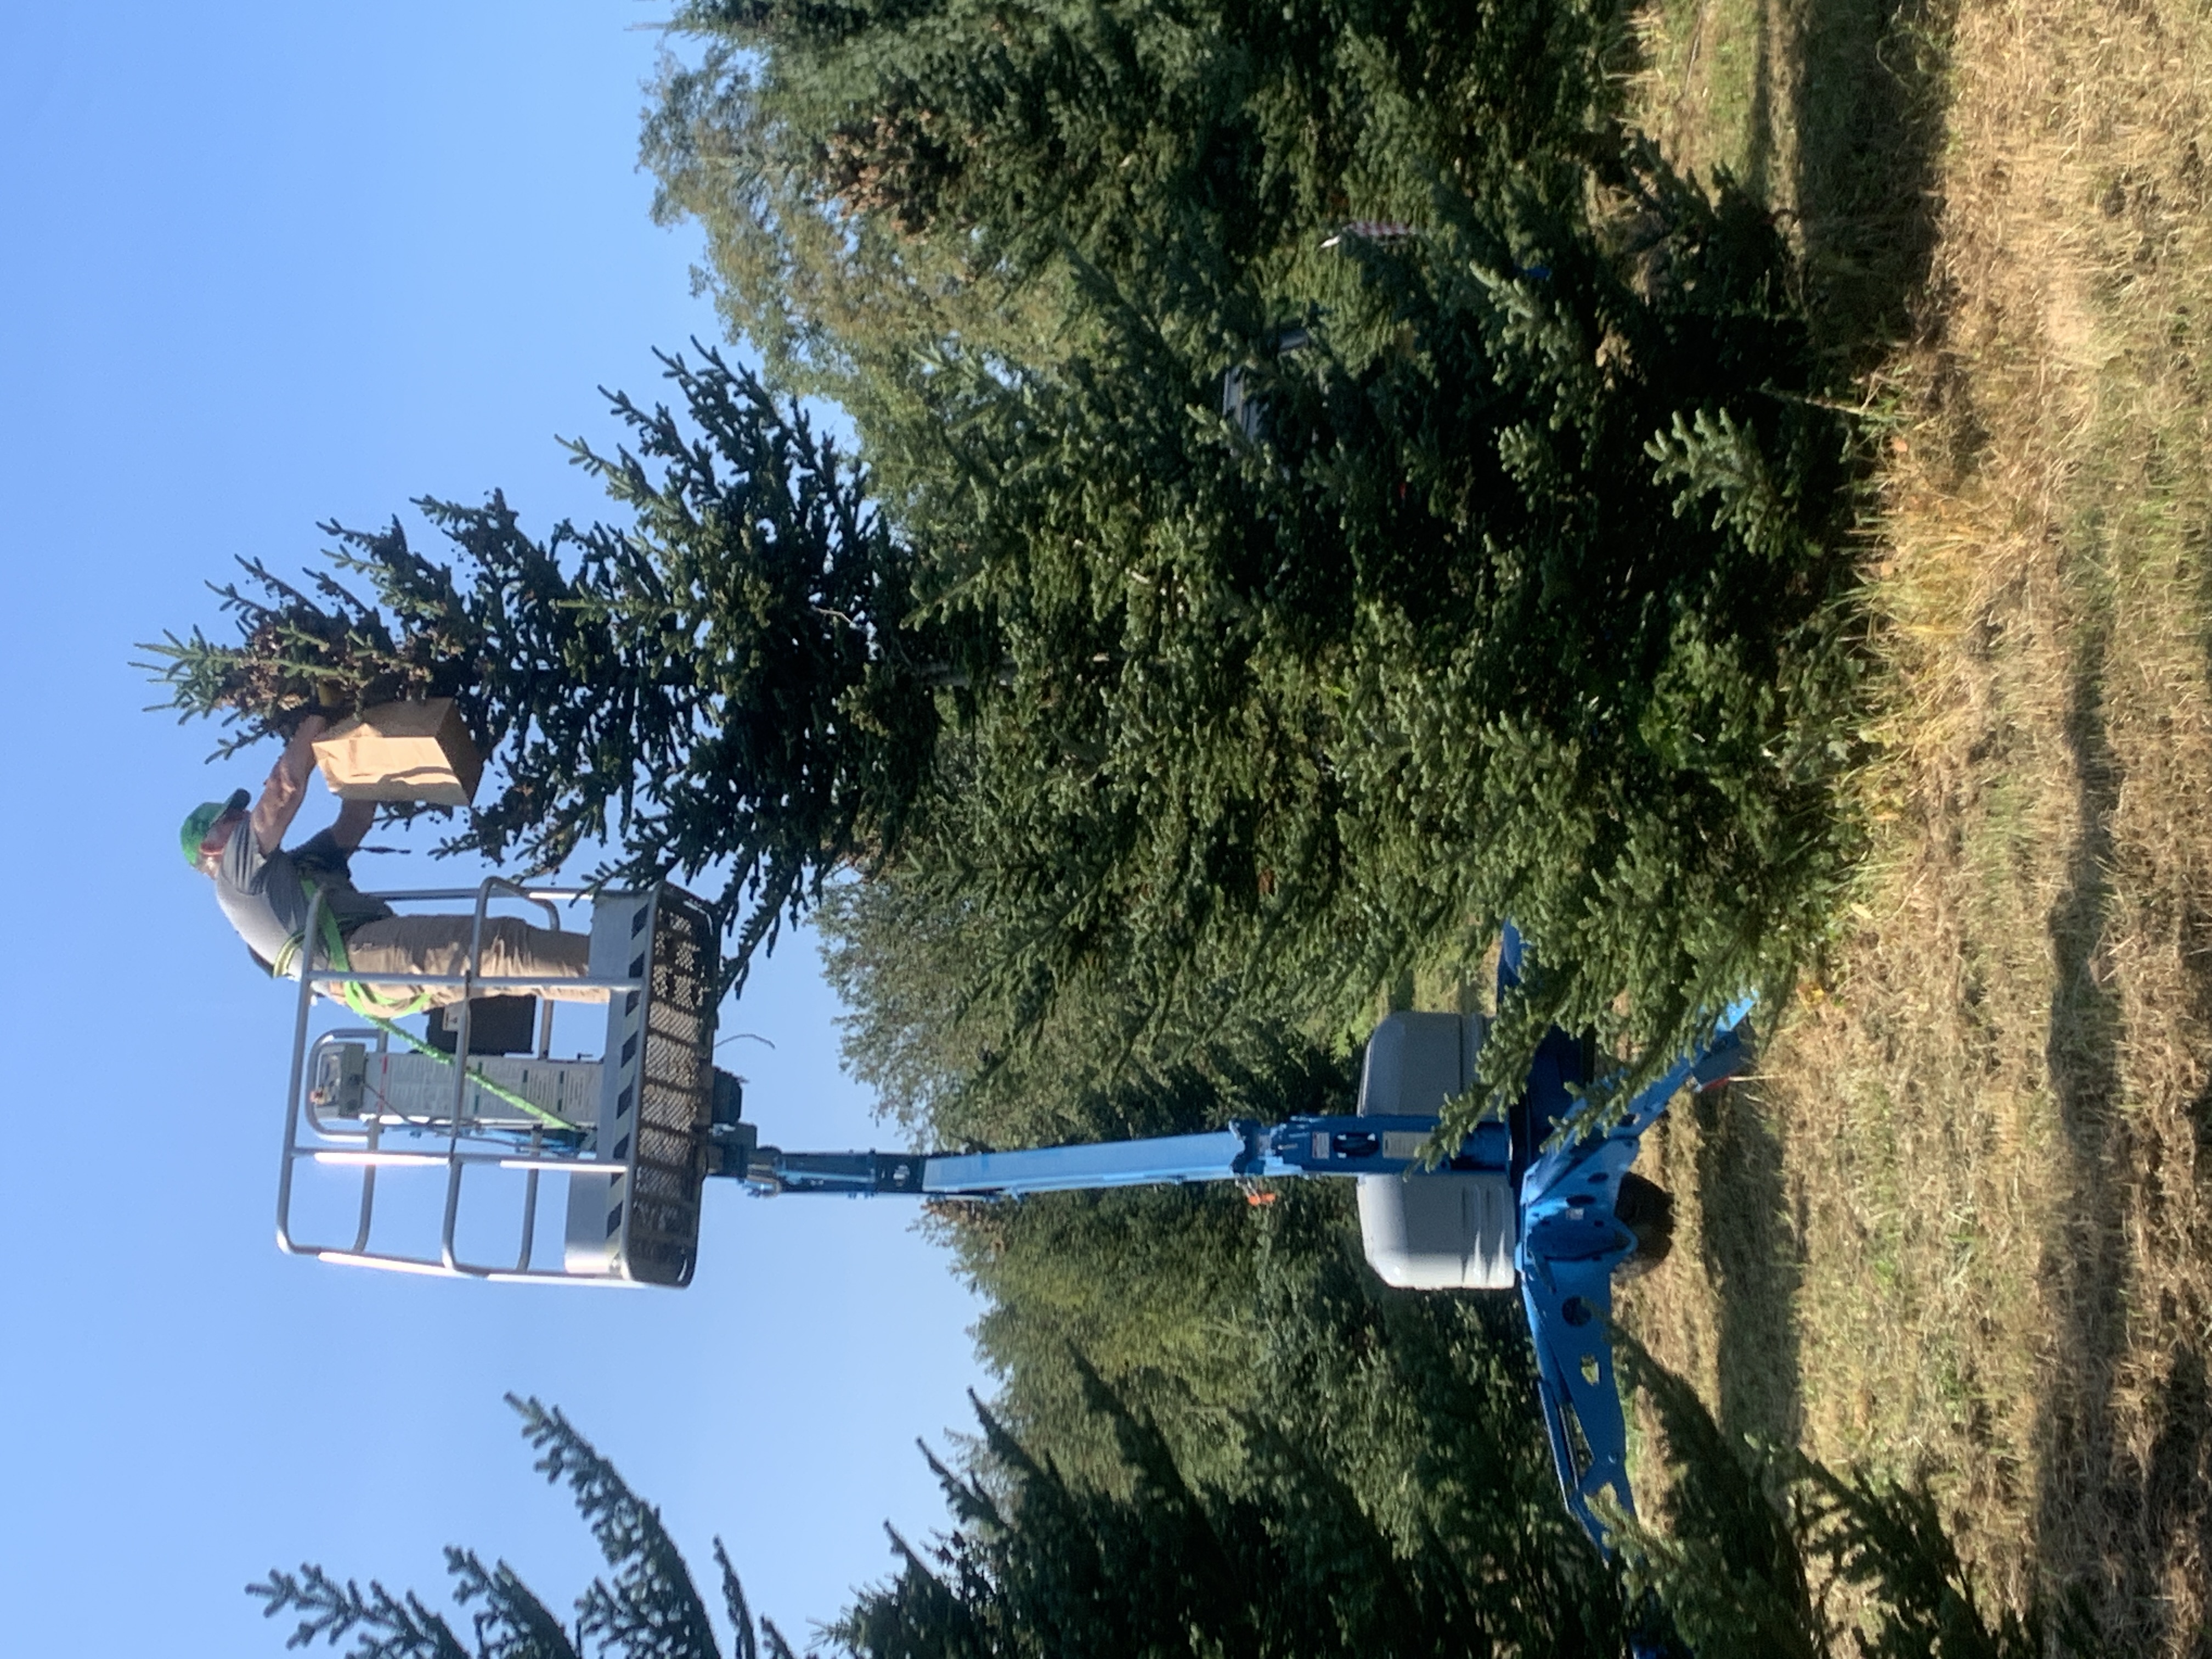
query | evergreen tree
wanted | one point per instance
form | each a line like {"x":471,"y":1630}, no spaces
{"x":1373,"y":1520}
{"x":1232,"y":1329}
{"x":968,"y":1041}
{"x":726,"y":683}
{"x":1512,"y":607}
{"x":1376,"y":543}
{"x":650,"y":1608}
{"x":1292,"y":1565}
{"x":1155,"y":1291}
{"x":879,"y":177}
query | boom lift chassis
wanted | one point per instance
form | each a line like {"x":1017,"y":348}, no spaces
{"x":635,"y":1133}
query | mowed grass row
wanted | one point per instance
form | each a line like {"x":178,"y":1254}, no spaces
{"x":1961,"y":1227}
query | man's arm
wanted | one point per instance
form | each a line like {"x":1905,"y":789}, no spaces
{"x":287,"y":787}
{"x":354,"y":821}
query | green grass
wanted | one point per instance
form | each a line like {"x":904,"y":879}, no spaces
{"x":1963,"y":1235}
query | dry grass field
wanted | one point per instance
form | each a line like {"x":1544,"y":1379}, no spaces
{"x":1961,"y":1227}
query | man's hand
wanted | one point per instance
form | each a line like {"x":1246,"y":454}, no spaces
{"x":287,"y":786}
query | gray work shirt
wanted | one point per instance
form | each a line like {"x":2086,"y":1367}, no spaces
{"x":266,"y":899}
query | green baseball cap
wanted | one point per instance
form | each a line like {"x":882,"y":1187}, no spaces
{"x":202,"y":820}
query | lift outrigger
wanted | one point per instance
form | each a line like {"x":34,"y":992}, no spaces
{"x":636,"y":1132}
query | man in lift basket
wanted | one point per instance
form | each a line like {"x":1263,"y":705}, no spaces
{"x":265,"y":892}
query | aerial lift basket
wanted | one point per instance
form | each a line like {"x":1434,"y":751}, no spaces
{"x":627,"y":1130}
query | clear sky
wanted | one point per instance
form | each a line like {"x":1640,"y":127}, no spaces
{"x":260,"y":264}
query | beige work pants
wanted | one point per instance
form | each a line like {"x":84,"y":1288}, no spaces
{"x":512,"y":949}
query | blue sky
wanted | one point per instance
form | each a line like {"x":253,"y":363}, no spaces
{"x":265,"y":264}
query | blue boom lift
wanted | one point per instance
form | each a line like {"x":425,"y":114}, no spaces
{"x":637,"y":1132}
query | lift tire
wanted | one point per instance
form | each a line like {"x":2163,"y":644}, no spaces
{"x":1647,"y":1210}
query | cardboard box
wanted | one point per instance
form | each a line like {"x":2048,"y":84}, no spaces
{"x":411,"y":751}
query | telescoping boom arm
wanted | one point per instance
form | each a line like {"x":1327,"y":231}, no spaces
{"x":1364,"y":1145}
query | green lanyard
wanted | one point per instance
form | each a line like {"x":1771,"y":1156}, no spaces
{"x":551,"y":1119}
